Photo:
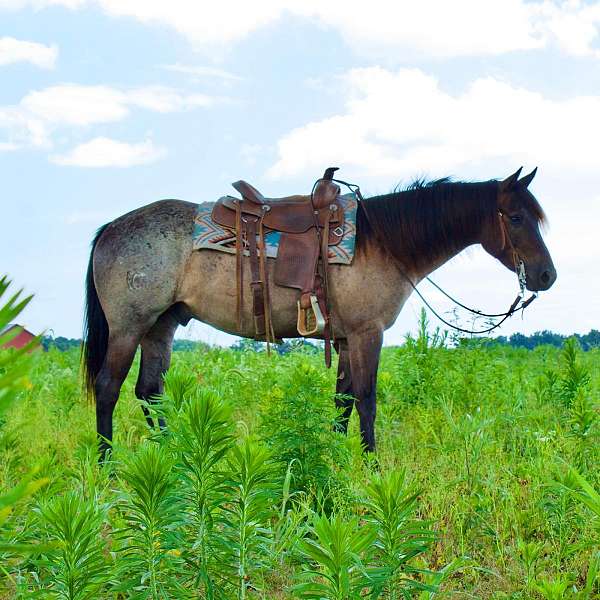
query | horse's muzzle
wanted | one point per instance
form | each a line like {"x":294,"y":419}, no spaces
{"x":544,"y":280}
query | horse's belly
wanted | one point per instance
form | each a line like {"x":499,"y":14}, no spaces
{"x":210,"y":292}
{"x":360,"y":295}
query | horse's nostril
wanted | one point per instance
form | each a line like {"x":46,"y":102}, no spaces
{"x":545,"y":277}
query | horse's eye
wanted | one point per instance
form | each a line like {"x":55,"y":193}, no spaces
{"x":516,"y":219}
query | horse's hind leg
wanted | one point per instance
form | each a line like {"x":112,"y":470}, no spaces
{"x":119,"y":356}
{"x":343,"y":388}
{"x":156,"y":357}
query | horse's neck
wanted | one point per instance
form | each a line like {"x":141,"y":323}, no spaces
{"x":435,"y":263}
{"x":437,"y":254}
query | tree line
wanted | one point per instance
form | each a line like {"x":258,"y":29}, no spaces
{"x":587,"y":341}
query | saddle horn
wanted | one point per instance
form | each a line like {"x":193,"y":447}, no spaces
{"x":329,"y":173}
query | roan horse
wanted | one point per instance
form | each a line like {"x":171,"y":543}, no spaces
{"x":144,"y":280}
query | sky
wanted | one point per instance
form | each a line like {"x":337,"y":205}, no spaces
{"x":107,"y":105}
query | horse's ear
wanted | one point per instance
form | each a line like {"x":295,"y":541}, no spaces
{"x":524,"y":182}
{"x":509,"y":183}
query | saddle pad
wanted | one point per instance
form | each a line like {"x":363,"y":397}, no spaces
{"x":207,"y":235}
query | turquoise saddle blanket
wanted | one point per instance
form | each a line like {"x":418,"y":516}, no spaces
{"x":208,"y":235}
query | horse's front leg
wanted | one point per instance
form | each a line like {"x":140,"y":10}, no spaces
{"x":344,"y":399}
{"x":364,"y":350}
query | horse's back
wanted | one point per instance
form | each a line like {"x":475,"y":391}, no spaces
{"x":140,"y":258}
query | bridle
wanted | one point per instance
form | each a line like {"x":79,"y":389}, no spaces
{"x":519,"y":304}
{"x":518,"y":262}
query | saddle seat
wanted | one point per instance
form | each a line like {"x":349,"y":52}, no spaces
{"x":327,"y":193}
{"x":291,"y":214}
{"x":308,"y":225}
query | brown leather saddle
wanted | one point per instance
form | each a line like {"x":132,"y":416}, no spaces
{"x":308,"y":225}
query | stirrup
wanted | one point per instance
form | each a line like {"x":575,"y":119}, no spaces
{"x":310,"y":320}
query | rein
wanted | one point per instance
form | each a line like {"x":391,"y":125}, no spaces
{"x":518,"y":304}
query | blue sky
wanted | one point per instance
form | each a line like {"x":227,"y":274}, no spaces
{"x":107,"y":105}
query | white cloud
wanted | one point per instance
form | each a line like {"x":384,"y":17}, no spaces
{"x":40,"y":113}
{"x":15,"y":51}
{"x":165,"y":100}
{"x":105,"y":152}
{"x":73,"y":104}
{"x":425,"y":28}
{"x":574,"y":26}
{"x":403,"y":122}
{"x":430,"y":27}
{"x":199,"y":71}
{"x":214,"y":23}
{"x":23,"y":129}
{"x":39,"y":4}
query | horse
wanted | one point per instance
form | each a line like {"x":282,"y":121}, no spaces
{"x":144,"y":280}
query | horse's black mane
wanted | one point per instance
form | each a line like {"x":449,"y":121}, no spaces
{"x":430,"y":219}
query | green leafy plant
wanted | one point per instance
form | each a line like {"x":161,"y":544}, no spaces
{"x":297,"y":424}
{"x":560,"y":509}
{"x":76,"y":569}
{"x":250,"y":492}
{"x":180,"y":386}
{"x":417,"y":362}
{"x":470,"y":433}
{"x":530,"y":554}
{"x":29,"y":485}
{"x":584,"y":492}
{"x":14,"y":369}
{"x":152,"y":512}
{"x":584,"y":419}
{"x":340,"y":549}
{"x":391,"y":506}
{"x":201,"y":436}
{"x":560,"y":588}
{"x":575,"y":376}
{"x":14,"y":364}
{"x":434,"y":580}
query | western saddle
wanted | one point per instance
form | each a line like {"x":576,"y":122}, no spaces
{"x":308,"y":225}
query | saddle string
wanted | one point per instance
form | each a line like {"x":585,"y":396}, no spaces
{"x":239,"y":264}
{"x":269,"y":333}
{"x":518,"y":304}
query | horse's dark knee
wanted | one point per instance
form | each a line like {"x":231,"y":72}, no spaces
{"x":148,"y":390}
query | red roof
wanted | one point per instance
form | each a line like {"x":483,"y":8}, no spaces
{"x":20,"y":339}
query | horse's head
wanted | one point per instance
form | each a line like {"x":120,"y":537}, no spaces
{"x":515,"y":236}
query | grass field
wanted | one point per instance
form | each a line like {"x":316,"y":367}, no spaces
{"x":473,"y":493}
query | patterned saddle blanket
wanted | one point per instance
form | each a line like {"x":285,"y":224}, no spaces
{"x":208,"y":235}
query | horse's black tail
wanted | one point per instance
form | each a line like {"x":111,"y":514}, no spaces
{"x":95,"y":325}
